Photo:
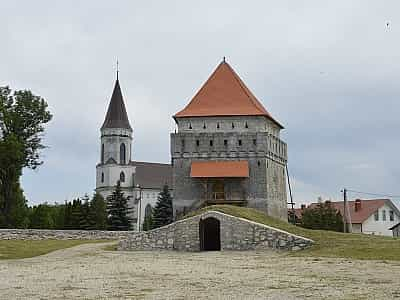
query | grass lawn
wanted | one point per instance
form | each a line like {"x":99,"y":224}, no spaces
{"x":14,"y":249}
{"x":327,"y":243}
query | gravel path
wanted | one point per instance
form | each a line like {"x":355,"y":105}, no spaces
{"x":88,"y":272}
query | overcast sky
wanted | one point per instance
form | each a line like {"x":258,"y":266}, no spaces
{"x":327,"y":70}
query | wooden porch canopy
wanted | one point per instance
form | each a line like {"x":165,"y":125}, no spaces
{"x":219,"y":169}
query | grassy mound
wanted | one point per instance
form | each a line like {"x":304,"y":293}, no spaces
{"x":327,"y":243}
{"x":15,"y":249}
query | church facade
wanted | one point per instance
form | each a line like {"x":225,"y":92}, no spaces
{"x":141,"y":182}
{"x":228,"y":150}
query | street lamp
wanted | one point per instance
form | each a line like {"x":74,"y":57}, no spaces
{"x":139,"y":199}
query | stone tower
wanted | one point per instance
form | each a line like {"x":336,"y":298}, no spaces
{"x":228,"y":150}
{"x":115,"y":149}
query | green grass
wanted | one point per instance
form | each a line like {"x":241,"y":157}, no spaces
{"x":327,"y":243}
{"x":15,"y":249}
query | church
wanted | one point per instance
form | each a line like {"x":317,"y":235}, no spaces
{"x":226,"y":150}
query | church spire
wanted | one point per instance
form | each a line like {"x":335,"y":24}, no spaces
{"x":116,"y":116}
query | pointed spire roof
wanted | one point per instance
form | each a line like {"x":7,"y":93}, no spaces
{"x":224,"y":94}
{"x":116,"y":116}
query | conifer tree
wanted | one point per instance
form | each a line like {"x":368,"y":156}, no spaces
{"x":98,"y":213}
{"x":84,"y":214}
{"x":163,"y":213}
{"x":76,"y":213}
{"x":118,"y":210}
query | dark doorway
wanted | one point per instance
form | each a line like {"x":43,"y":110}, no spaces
{"x":210,"y":236}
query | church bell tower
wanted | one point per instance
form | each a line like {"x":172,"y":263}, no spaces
{"x":115,"y":149}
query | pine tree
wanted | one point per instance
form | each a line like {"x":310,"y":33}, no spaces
{"x":148,"y":222}
{"x":76,"y":213}
{"x":163,"y":213}
{"x":118,"y":210}
{"x":98,"y":213}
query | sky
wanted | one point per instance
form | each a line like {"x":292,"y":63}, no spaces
{"x":327,"y":70}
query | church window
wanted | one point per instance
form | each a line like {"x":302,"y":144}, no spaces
{"x":190,"y":125}
{"x":211,"y":143}
{"x":102,"y":153}
{"x":217,"y":125}
{"x":258,"y":163}
{"x":102,"y":177}
{"x":204,"y":126}
{"x":254,"y":142}
{"x":240,"y":142}
{"x":197,"y":143}
{"x":122,"y":154}
{"x":225,"y":142}
{"x":122,"y":177}
{"x":246,"y":126}
{"x":233,"y":125}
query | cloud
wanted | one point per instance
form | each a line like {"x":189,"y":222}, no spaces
{"x":328,"y":71}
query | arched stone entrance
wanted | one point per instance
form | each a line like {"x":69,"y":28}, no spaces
{"x":210,"y":234}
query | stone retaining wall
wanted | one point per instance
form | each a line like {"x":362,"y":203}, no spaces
{"x":235,"y":234}
{"x":42,"y":234}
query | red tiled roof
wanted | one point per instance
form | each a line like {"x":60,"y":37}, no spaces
{"x":224,"y":94}
{"x":213,"y":169}
{"x":368,"y":207}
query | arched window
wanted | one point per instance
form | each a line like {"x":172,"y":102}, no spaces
{"x":122,"y":154}
{"x":102,"y":153}
{"x":102,"y":177}
{"x":148,"y":211}
{"x":122,"y":177}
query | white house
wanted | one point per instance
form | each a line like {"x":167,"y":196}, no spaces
{"x":374,"y":216}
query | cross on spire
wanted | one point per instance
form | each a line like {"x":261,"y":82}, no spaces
{"x":117,"y":69}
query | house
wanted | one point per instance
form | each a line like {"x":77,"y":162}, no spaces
{"x":375,"y":216}
{"x":228,"y":150}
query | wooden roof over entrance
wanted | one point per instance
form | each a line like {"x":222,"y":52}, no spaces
{"x":219,"y":169}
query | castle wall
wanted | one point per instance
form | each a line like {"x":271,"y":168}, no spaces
{"x":235,"y":234}
{"x":265,"y":153}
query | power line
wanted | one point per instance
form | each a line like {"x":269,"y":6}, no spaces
{"x":374,"y":194}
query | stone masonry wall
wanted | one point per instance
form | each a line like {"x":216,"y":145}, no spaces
{"x":235,"y":234}
{"x":41,"y":234}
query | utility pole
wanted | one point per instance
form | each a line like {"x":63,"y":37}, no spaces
{"x":291,"y":196}
{"x":344,"y":210}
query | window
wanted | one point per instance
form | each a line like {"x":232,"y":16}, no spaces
{"x":190,"y":125}
{"x":376,"y":215}
{"x":233,"y":125}
{"x":225,"y":142}
{"x":254,"y":142}
{"x":258,"y":163}
{"x":217,"y":125}
{"x":240,"y":142}
{"x":391,"y":215}
{"x":122,"y":154}
{"x":183,"y":143}
{"x":383,"y":215}
{"x":246,"y":126}
{"x":211,"y":143}
{"x":204,"y":126}
{"x":197,"y":143}
{"x":122,"y":177}
{"x":102,"y":177}
{"x":102,"y":153}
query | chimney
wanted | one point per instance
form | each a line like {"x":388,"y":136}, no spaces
{"x":357,"y":205}
{"x":303,"y":207}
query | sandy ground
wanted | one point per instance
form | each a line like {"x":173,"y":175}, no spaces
{"x":89,"y":272}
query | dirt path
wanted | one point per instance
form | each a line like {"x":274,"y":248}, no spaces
{"x":88,"y":272}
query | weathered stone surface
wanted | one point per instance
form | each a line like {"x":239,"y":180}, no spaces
{"x":235,"y":234}
{"x":42,"y":234}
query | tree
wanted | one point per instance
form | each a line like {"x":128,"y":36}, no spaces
{"x":98,"y":213}
{"x":22,"y":119}
{"x":163,"y":213}
{"x":148,"y":218}
{"x":324,"y":216}
{"x":76,"y":214}
{"x":84,"y":222}
{"x":118,"y":210}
